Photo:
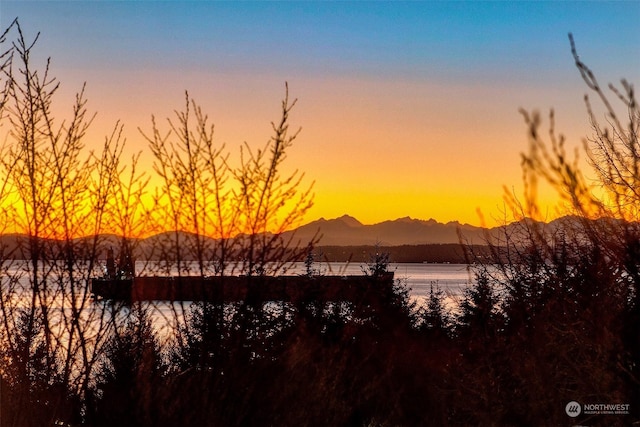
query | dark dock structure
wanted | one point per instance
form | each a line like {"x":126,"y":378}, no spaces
{"x":120,"y":283}
{"x":222,"y":289}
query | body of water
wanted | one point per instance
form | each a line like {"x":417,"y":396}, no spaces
{"x":418,"y":277}
{"x":452,"y":279}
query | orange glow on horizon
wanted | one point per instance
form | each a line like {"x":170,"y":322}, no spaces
{"x":375,"y":151}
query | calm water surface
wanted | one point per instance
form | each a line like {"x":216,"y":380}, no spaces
{"x":452,"y":279}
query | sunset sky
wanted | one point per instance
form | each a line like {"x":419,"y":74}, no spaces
{"x":406,"y":109}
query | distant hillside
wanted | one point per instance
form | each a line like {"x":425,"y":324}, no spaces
{"x":453,"y":253}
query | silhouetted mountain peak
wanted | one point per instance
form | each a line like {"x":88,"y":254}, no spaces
{"x":405,"y":219}
{"x":349,"y":220}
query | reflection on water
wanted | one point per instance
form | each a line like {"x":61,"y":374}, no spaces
{"x":452,"y":279}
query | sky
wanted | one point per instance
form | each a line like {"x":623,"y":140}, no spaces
{"x":406,"y":108}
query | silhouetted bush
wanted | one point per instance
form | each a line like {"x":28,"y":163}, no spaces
{"x":129,"y":378}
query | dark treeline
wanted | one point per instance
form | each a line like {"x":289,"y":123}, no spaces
{"x":437,"y":253}
{"x":552,"y":316}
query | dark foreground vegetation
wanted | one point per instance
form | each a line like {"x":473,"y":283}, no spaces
{"x":553,"y":315}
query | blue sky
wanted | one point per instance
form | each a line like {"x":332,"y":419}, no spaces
{"x":331,"y":37}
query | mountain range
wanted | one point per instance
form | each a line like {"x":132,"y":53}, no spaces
{"x":345,"y":231}
{"x":407,"y":239}
{"x":348,"y":231}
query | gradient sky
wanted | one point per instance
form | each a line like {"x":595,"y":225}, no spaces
{"x":406,"y":109}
